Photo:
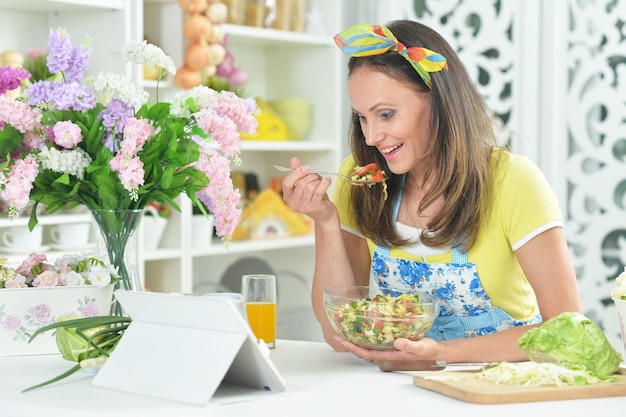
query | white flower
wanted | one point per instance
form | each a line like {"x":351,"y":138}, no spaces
{"x":147,"y":54}
{"x":74,"y":278}
{"x":120,"y":87}
{"x":73,"y":162}
{"x":99,"y":276}
{"x":202,"y":96}
{"x":620,"y":286}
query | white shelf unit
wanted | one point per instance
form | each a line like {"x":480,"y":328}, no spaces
{"x":280,"y":64}
{"x":27,"y":23}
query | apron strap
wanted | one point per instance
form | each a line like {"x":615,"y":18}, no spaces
{"x":458,"y":257}
{"x":396,"y":209}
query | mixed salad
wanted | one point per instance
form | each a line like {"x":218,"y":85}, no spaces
{"x":375,"y":323}
{"x":369,"y":172}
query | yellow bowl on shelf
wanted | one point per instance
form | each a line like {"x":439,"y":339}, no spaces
{"x":296,"y":113}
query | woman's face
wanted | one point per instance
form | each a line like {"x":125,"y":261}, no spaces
{"x":394,"y":117}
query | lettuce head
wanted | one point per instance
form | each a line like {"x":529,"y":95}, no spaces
{"x":573,"y":341}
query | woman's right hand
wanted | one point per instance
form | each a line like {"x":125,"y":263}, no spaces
{"x":307,"y":193}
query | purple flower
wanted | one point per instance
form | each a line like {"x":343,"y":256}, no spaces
{"x":111,"y":141}
{"x":78,"y":63}
{"x":115,"y":115}
{"x":61,"y":96}
{"x":63,"y":58}
{"x":11,"y":78}
{"x":59,"y":51}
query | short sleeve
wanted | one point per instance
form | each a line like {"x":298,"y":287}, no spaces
{"x":529,"y":205}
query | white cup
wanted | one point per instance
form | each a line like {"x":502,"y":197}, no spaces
{"x":152,"y":227}
{"x":202,"y":230}
{"x":70,"y":234}
{"x":19,"y":237}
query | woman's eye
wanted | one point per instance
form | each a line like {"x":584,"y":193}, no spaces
{"x":387,"y":115}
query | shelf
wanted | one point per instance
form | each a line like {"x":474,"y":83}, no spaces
{"x":61,"y":5}
{"x":261,"y":36}
{"x":288,"y":146}
{"x":237,"y":247}
{"x":161,"y":254}
{"x":47,"y":219}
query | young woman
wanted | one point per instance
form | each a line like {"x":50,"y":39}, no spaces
{"x":461,"y":217}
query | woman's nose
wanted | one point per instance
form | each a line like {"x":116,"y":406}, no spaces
{"x":373,"y":135}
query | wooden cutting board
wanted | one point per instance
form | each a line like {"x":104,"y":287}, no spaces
{"x":465,"y":386}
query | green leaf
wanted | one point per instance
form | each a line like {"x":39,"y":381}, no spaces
{"x":63,"y":179}
{"x":82,"y":323}
{"x":71,"y":371}
{"x":10,"y":140}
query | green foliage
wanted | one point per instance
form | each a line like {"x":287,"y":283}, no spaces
{"x":572,"y":340}
{"x":84,"y":340}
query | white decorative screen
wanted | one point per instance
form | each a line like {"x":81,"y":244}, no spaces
{"x":595,"y":151}
{"x":555,"y":72}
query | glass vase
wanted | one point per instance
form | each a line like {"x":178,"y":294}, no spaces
{"x":119,"y":238}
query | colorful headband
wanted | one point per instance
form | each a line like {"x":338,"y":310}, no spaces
{"x":367,"y":40}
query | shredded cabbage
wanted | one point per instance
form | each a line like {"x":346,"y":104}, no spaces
{"x":536,"y":374}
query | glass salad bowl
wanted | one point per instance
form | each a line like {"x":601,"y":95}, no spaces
{"x":373,"y":320}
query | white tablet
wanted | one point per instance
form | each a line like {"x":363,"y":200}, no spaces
{"x":182,"y":347}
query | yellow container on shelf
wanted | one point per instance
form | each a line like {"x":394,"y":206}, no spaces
{"x":296,"y":113}
{"x":271,"y":126}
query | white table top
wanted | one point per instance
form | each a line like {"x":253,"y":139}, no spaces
{"x":320,"y":382}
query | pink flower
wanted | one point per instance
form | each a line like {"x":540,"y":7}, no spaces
{"x":42,"y":313}
{"x":90,"y":310}
{"x":32,"y":140}
{"x":19,"y":184}
{"x":19,"y":281}
{"x":30,"y":266}
{"x":12,"y":322}
{"x":47,"y":279}
{"x":136,"y":133}
{"x":222,"y":129}
{"x":238,"y":110}
{"x":18,"y":114}
{"x":131,"y":173}
{"x":35,"y":53}
{"x":67,"y":134}
{"x":219,"y":195}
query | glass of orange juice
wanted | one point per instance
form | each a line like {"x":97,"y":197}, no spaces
{"x":259,"y":296}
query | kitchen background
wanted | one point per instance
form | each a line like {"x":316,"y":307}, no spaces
{"x":552,"y":71}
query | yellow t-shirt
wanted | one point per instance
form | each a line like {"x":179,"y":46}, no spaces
{"x":524,"y":205}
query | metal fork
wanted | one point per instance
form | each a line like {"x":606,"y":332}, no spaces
{"x":336,"y":174}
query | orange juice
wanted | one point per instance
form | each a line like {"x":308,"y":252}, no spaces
{"x":262,"y":319}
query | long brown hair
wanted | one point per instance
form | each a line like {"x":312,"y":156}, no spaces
{"x":462,"y":142}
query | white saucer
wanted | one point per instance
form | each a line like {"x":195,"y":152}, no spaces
{"x":25,"y":251}
{"x":73,"y":247}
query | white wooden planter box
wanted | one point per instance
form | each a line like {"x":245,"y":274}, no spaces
{"x":24,"y":310}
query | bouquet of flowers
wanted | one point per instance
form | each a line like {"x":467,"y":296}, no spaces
{"x":97,"y":141}
{"x":69,"y":270}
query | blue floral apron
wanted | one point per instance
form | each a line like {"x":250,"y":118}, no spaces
{"x":465,"y":308}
